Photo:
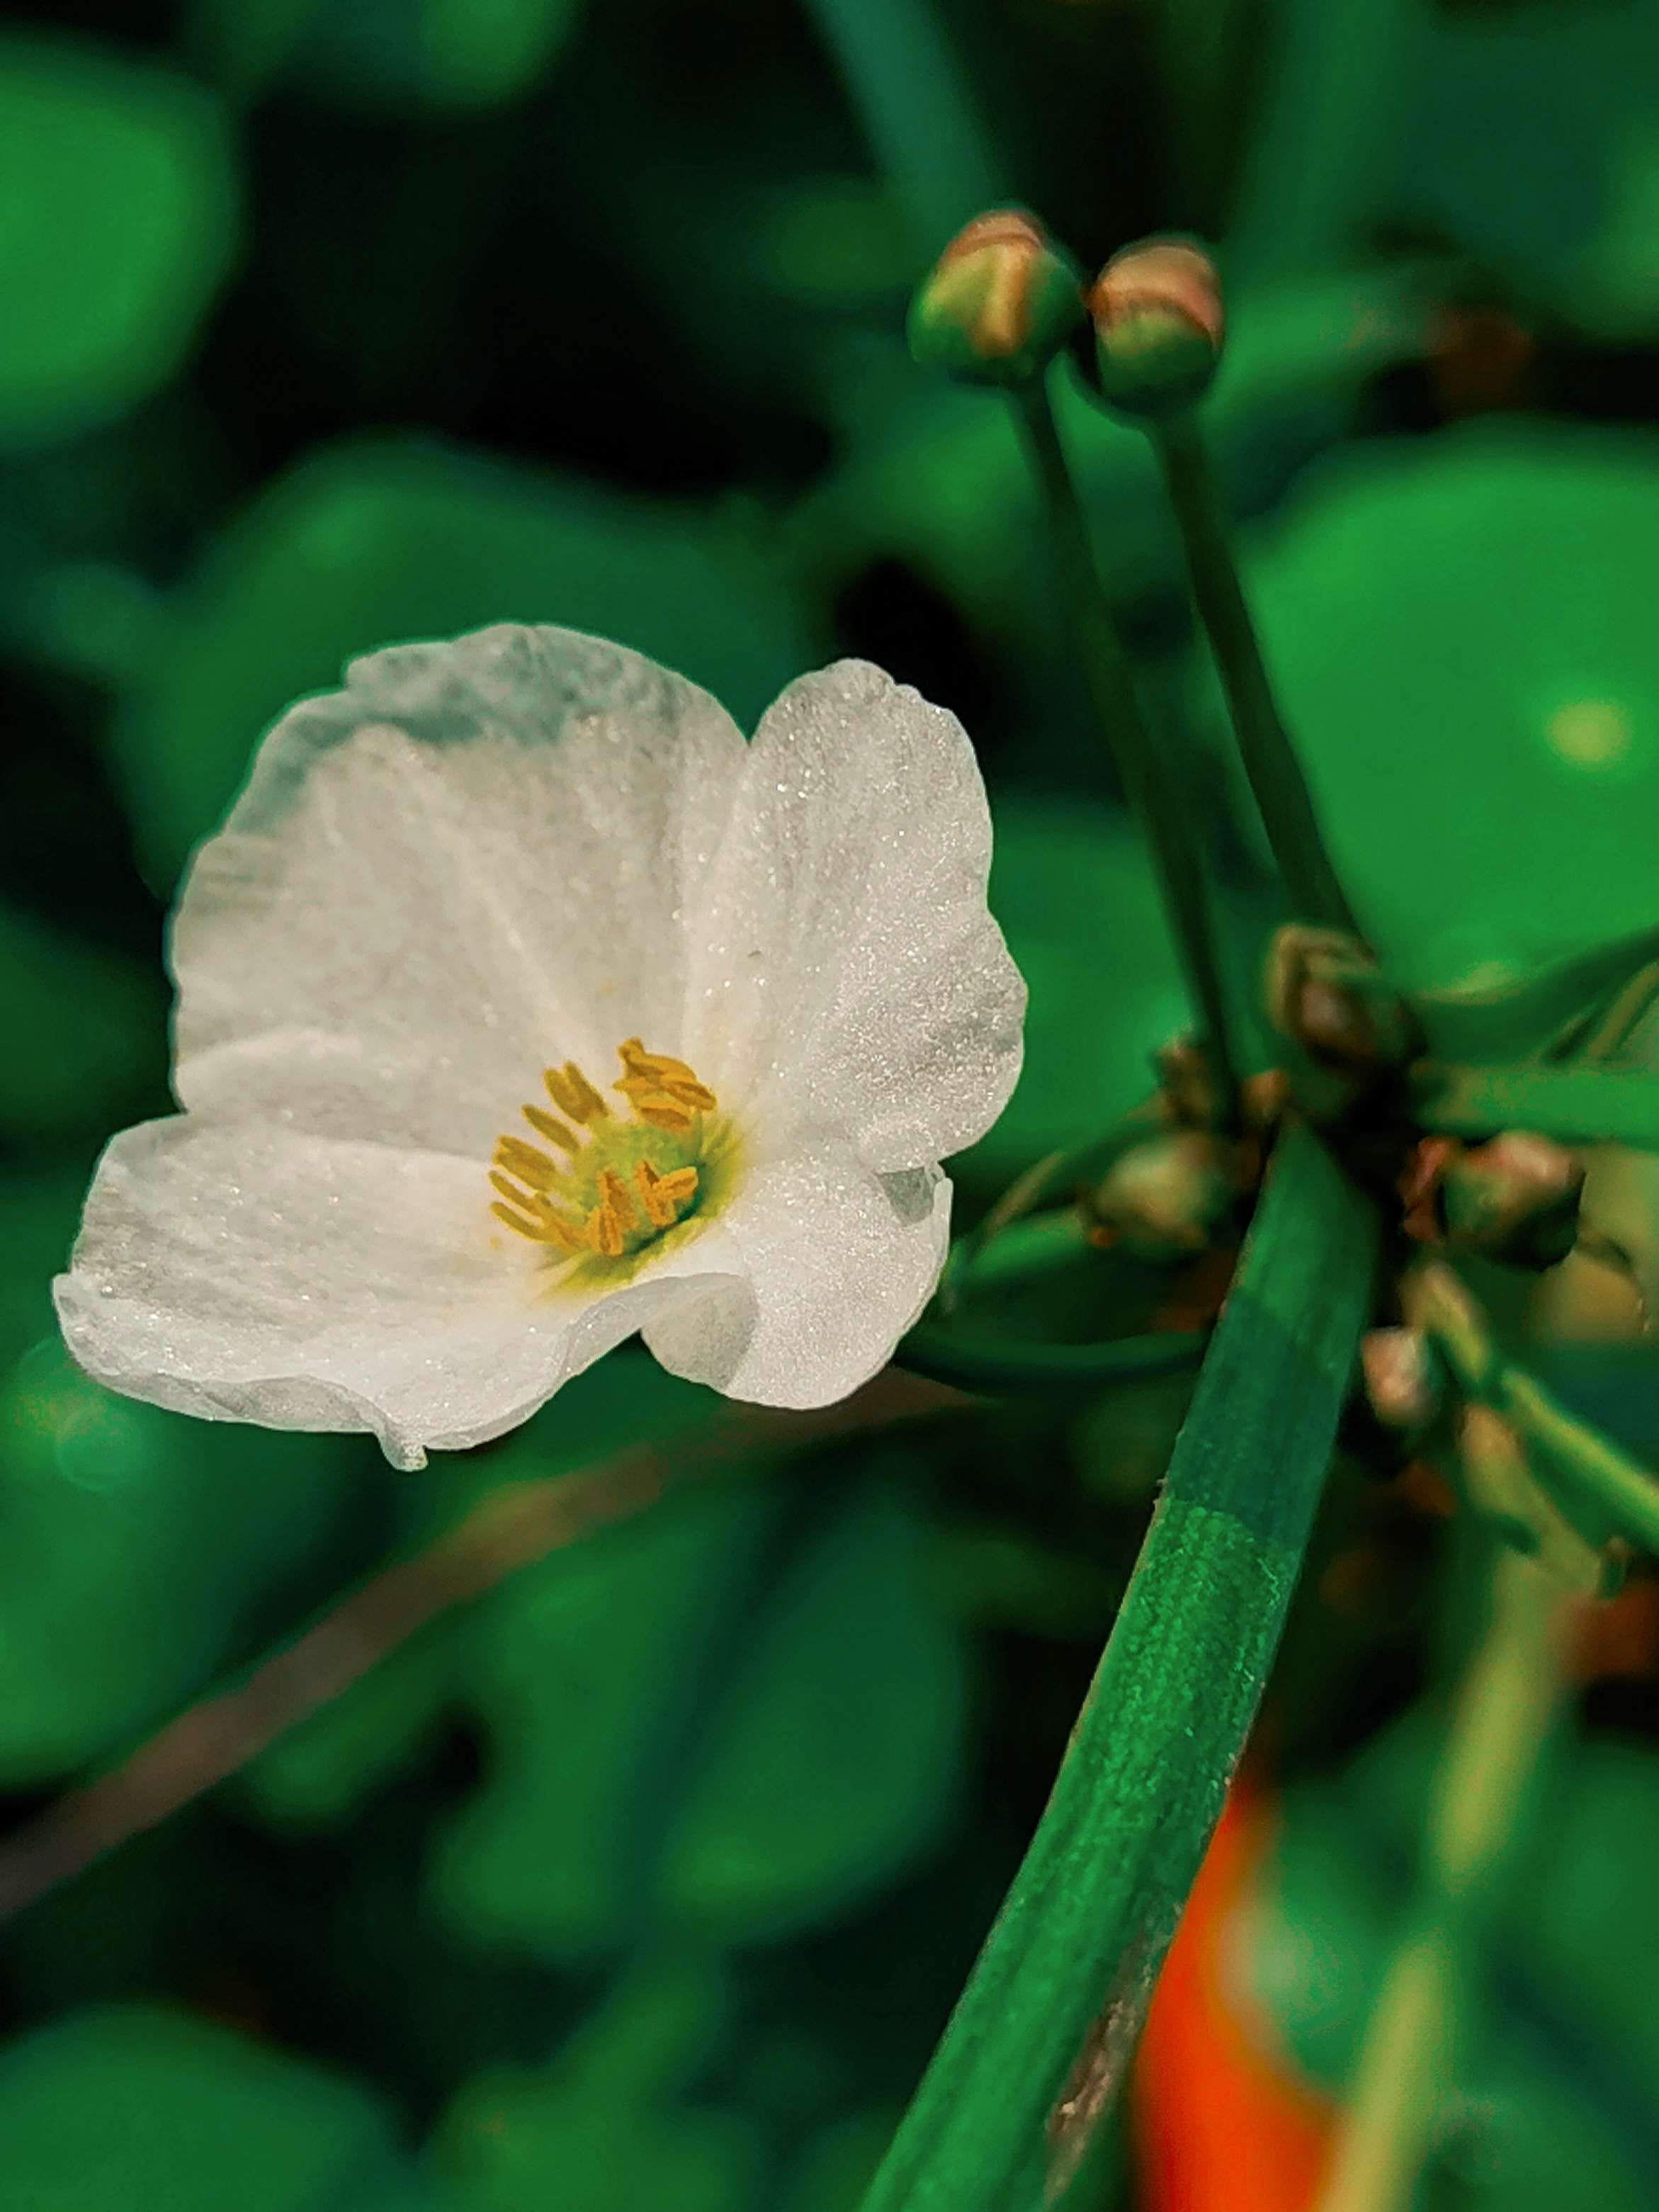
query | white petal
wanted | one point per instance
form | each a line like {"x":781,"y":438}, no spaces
{"x":852,"y":977}
{"x":473,"y":861}
{"x":240,"y":1271}
{"x":838,"y":1262}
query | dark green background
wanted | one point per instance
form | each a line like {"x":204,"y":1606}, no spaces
{"x":649,"y":1878}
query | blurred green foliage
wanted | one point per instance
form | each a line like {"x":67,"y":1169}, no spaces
{"x":649,"y":1874}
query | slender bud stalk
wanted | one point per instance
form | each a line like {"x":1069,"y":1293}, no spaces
{"x":1152,"y":794}
{"x":1504,"y":1716}
{"x":1281,"y":792}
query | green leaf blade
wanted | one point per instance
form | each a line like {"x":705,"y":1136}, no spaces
{"x":1071,"y":1959}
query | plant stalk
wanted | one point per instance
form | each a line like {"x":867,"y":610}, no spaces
{"x":1152,"y":794}
{"x":1281,"y":792}
{"x":1500,"y":1731}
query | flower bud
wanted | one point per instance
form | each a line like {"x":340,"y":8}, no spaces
{"x":1160,"y":326}
{"x":1404,"y":1387}
{"x":1516,"y":1198}
{"x":1325,"y":992}
{"x":1001,"y":301}
{"x":1167,"y":1198}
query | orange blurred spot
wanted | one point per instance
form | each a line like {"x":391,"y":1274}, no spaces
{"x":1219,"y":2118}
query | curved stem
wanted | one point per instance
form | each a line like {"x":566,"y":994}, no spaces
{"x":1152,"y":794}
{"x":1505,"y":1711}
{"x":1573,"y":1457}
{"x":971,"y":1360}
{"x":1281,"y":792}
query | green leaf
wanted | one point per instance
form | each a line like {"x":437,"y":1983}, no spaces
{"x":1085,"y":1925}
{"x":685,"y":1735}
{"x":1572,"y":223}
{"x":606,"y":2128}
{"x":367,"y":545}
{"x":1505,"y":569}
{"x":1575,"y":1105}
{"x":1515,"y":1019}
{"x":135,"y":1548}
{"x":320,"y":1771}
{"x":118,"y":221}
{"x":109,"y":2110}
{"x":398,"y":54}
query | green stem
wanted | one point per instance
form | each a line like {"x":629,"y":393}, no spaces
{"x":1580,"y":1458}
{"x":1502,"y":1725}
{"x":974,"y":1359}
{"x":1580,"y":1103}
{"x":1281,"y":792}
{"x":1152,"y":794}
{"x":919,"y":117}
{"x":1049,"y":2017}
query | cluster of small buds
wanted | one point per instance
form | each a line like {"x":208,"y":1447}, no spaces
{"x":1324,"y":991}
{"x":1171,"y":1197}
{"x":1514,"y":1199}
{"x":1190,"y":1098}
{"x":1003,"y":299}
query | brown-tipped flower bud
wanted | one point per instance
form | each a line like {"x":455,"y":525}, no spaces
{"x":1325,"y":992}
{"x":1001,"y":302}
{"x":1160,"y":326}
{"x":1169,"y":1198}
{"x":1405,"y":1385}
{"x":1516,"y":1198}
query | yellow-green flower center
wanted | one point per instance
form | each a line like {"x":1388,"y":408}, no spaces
{"x":599,"y":1189}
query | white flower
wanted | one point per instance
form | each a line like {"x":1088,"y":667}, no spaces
{"x":444,"y":980}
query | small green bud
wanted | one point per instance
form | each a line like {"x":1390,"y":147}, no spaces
{"x":1160,"y":326}
{"x":1169,"y":1198}
{"x":1325,"y":992}
{"x":1516,"y":1198}
{"x":1001,"y":301}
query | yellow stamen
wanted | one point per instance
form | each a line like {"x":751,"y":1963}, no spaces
{"x":529,"y":1165}
{"x":613,"y":1193}
{"x":573,"y":1094}
{"x":604,"y":1232}
{"x":554,"y":1131}
{"x":679,"y":1187}
{"x":658,"y":1071}
{"x":544,"y":1229}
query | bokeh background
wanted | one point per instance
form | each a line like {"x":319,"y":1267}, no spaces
{"x":678,"y":1762}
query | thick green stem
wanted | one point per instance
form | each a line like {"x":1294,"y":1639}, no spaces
{"x":1152,"y":793}
{"x":1420,"y":2025}
{"x":1037,"y":2046}
{"x":1282,"y":796}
